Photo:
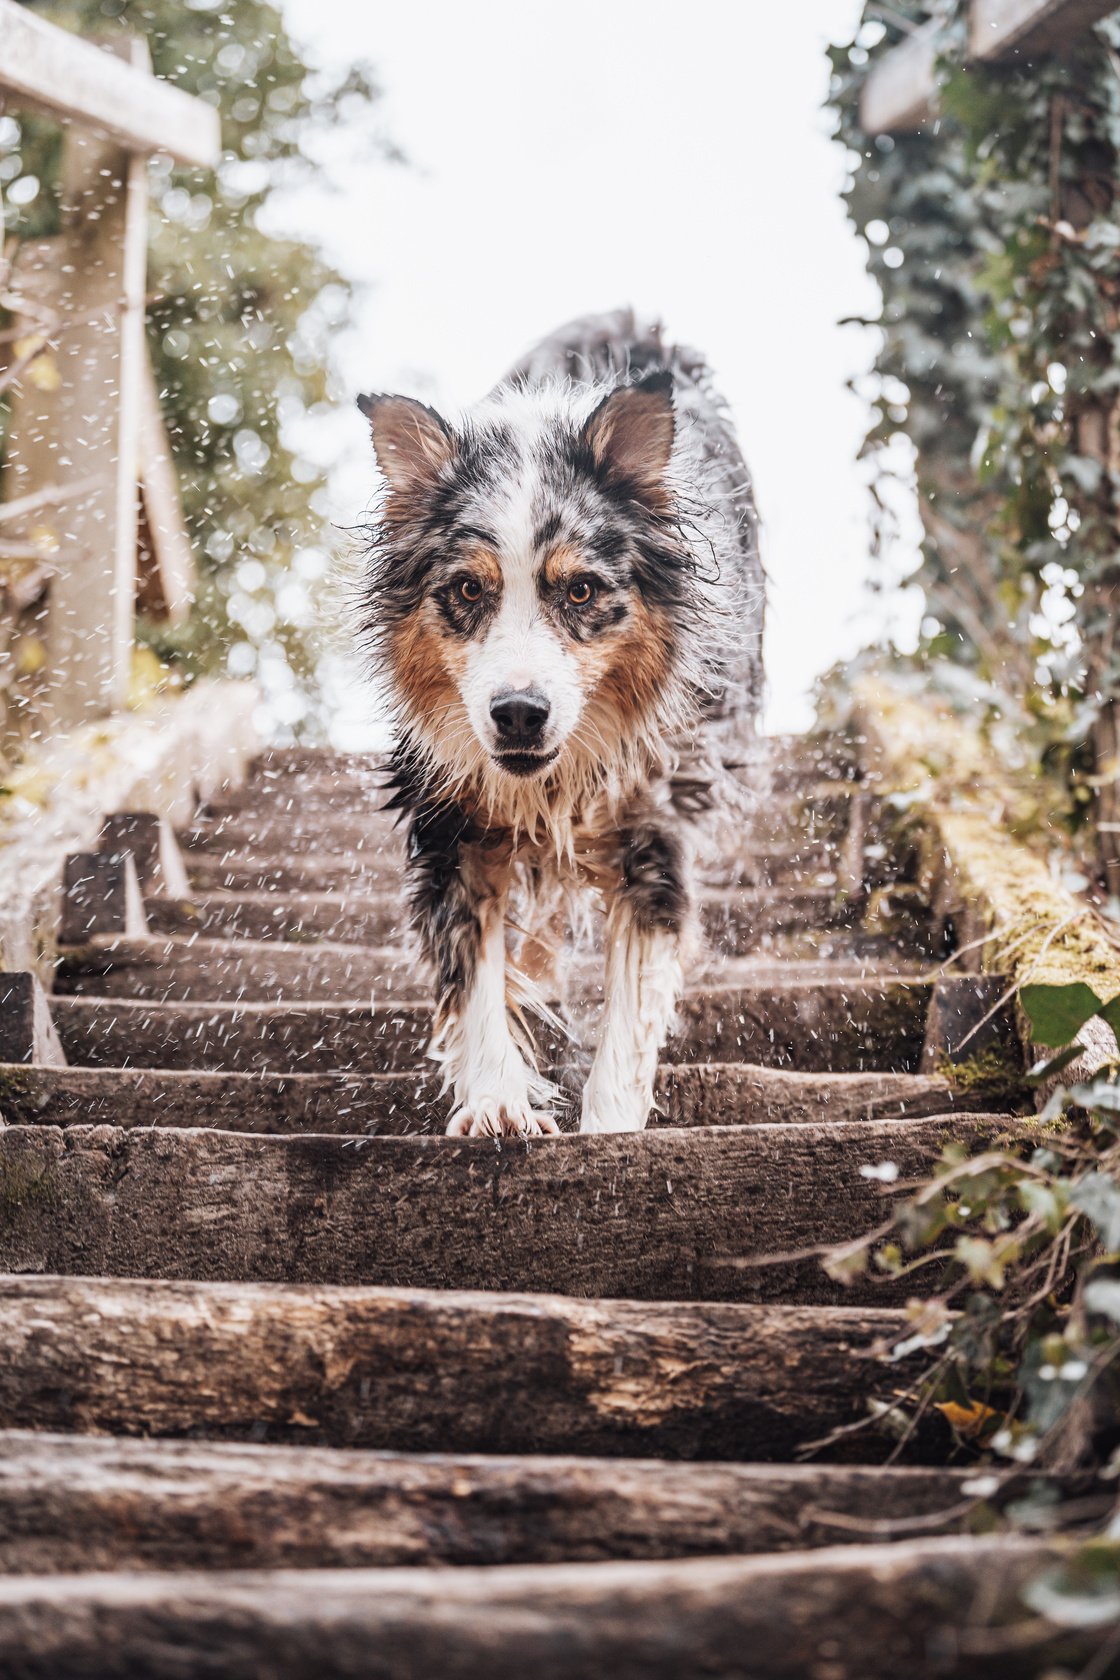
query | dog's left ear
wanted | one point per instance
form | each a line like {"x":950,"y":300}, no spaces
{"x":631,"y":433}
{"x":411,"y":441}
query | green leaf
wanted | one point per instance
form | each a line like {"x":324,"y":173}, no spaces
{"x":1084,"y":1593}
{"x":1057,"y":1013}
{"x":1110,"y":1012}
{"x":1043,"y":1200}
{"x":1103,"y":1296}
{"x":1098,"y":1197}
{"x":1053,"y":1064}
{"x":1097,"y":1093}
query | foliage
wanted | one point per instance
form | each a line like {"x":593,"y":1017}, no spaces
{"x":992,"y":238}
{"x":1026,"y":1236}
{"x":240,"y":322}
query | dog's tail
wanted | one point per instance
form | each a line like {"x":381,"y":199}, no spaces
{"x":597,"y":349}
{"x":621,"y":346}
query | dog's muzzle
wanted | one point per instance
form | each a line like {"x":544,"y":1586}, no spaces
{"x":520,"y":716}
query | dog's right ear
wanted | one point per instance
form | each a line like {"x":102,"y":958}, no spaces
{"x":412,"y":442}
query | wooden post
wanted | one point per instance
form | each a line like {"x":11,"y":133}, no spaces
{"x":80,"y":418}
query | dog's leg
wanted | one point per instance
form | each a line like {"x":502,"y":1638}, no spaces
{"x":459,"y":905}
{"x":646,"y":925}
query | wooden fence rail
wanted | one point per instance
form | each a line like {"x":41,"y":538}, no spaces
{"x":85,"y":413}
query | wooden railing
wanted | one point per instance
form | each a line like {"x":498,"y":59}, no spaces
{"x":86,"y":439}
{"x":900,"y":94}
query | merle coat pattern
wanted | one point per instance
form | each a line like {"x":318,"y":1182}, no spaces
{"x":564,"y":595}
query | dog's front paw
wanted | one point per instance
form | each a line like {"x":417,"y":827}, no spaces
{"x":491,"y":1118}
{"x":612,"y":1119}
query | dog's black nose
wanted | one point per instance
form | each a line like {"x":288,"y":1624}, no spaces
{"x":520,"y":715}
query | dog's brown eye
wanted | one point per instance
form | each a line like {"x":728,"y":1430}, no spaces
{"x":470,"y":589}
{"x":580,"y":591}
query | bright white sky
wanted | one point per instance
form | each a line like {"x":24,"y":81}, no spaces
{"x":572,"y":155}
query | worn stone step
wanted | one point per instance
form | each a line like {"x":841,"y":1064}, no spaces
{"x":661,"y":1215}
{"x":813,"y":863}
{"x":70,"y":1503}
{"x":341,"y":918}
{"x":735,"y":921}
{"x":857,"y":1027}
{"x":190,"y":968}
{"x":295,"y":825}
{"x":252,"y":872}
{"x":445,"y":1371}
{"x":400,"y":1104}
{"x":922,"y":1609}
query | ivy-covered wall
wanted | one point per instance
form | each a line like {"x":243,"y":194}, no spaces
{"x":994,"y":239}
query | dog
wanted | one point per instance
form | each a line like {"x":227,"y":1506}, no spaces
{"x":564,"y":597}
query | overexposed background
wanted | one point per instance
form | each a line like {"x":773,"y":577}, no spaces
{"x":572,"y":155}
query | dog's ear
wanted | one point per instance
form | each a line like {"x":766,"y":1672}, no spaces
{"x":631,"y":433}
{"x":412,"y":442}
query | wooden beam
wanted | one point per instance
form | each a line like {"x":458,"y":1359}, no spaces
{"x":900,"y":94}
{"x":879,"y":1611}
{"x":663,"y":1215}
{"x":411,"y":1370}
{"x":1002,"y":28}
{"x":163,"y":507}
{"x":49,"y":69}
{"x":72,"y":1503}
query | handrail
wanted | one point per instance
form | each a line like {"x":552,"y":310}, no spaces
{"x":48,"y":69}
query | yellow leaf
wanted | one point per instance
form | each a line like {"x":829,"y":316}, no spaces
{"x":43,"y":372}
{"x":31,"y":655}
{"x":148,"y":677}
{"x":45,"y":538}
{"x":971,"y":1420}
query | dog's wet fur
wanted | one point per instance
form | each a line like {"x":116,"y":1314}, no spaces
{"x":564,"y":598}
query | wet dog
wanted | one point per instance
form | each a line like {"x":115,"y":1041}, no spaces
{"x":564,"y":597}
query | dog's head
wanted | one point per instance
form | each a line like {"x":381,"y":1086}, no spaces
{"x":528,"y":572}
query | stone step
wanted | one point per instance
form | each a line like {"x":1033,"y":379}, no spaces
{"x":856,"y":1027}
{"x":72,"y":1503}
{"x":444,"y":1371}
{"x":920,"y":1608}
{"x":813,"y":863}
{"x":736,"y":921}
{"x":298,"y":826}
{"x":661,"y":1215}
{"x":187,"y":968}
{"x":401,"y":1104}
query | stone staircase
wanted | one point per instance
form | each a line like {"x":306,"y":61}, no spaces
{"x":292,"y":1385}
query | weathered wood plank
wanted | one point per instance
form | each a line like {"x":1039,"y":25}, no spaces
{"x":401,"y":1104}
{"x":150,"y":841}
{"x":735,"y":921}
{"x":850,"y":1027}
{"x":72,"y":1503}
{"x":1002,"y":28}
{"x":52,"y":70}
{"x":195,"y":969}
{"x":648,"y":1216}
{"x":900,"y":94}
{"x":100,"y":895}
{"x":926,"y":1607}
{"x":445,"y":1371}
{"x":27,"y":1030}
{"x":172,"y":586}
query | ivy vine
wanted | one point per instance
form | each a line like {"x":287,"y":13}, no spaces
{"x":993,"y":236}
